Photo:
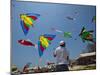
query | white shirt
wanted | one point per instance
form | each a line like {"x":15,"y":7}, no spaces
{"x":61,"y":55}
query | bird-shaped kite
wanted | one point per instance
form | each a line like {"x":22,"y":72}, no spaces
{"x":26,"y":43}
{"x":28,"y":20}
{"x":44,"y":42}
{"x":86,"y":35}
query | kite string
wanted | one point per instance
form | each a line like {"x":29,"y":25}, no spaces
{"x":36,"y":46}
{"x":40,"y":60}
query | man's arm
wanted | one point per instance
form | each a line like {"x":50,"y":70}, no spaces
{"x":54,"y":54}
{"x":66,"y":54}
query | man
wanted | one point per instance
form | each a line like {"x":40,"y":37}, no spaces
{"x":62,"y":57}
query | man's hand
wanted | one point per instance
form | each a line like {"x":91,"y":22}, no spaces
{"x":54,"y":55}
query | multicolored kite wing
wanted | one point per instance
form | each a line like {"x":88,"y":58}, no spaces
{"x":27,"y":20}
{"x":44,"y":42}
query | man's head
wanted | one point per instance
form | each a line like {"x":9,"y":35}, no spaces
{"x":62,"y":44}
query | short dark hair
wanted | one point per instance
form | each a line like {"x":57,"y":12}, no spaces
{"x":63,"y":45}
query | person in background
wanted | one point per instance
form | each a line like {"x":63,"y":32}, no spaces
{"x":26,"y":68}
{"x":62,"y":57}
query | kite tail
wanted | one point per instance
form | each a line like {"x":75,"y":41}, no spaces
{"x":40,"y":59}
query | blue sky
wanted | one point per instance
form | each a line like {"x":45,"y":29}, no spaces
{"x":51,"y":15}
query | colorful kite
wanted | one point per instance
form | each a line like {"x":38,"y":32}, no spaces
{"x":65,"y":34}
{"x":26,"y":43}
{"x":94,"y":19}
{"x":44,"y":42}
{"x":86,"y":35}
{"x":28,"y":20}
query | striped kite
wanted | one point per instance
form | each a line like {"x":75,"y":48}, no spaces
{"x":28,"y":20}
{"x":44,"y":42}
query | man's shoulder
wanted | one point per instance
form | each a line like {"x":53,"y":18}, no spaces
{"x":58,"y":48}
